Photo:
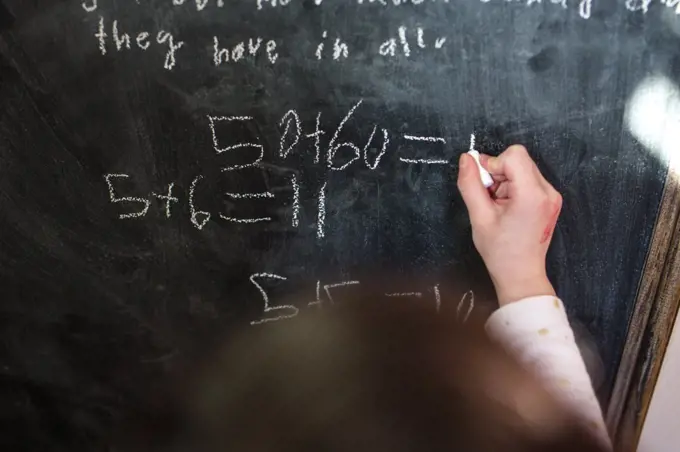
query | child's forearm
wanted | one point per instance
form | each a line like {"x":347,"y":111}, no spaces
{"x":536,"y":330}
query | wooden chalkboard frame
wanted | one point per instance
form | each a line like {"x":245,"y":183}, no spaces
{"x":651,"y":323}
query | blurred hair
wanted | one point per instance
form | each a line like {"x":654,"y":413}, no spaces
{"x":367,"y":374}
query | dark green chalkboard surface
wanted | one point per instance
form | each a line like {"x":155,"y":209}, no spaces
{"x":171,"y":169}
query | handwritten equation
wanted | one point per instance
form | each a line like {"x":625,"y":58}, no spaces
{"x":337,"y":155}
{"x":275,"y":312}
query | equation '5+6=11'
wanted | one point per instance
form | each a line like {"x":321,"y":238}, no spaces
{"x":290,"y":139}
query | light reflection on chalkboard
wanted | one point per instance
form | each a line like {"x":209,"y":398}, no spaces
{"x":653,"y":116}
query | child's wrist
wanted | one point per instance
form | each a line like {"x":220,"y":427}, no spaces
{"x":520,"y":289}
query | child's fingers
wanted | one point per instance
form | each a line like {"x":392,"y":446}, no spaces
{"x":513,"y":164}
{"x":484,"y":161}
{"x":503,"y":190}
{"x":475,"y":195}
{"x":494,"y":187}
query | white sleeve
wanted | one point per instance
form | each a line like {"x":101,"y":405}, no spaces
{"x":537,"y":332}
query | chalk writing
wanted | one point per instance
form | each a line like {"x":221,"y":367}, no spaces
{"x":272,"y":3}
{"x":290,"y":117}
{"x":234,"y":119}
{"x":238,"y":51}
{"x":405,"y":41}
{"x":115,"y":199}
{"x":90,"y":7}
{"x":273,"y":312}
{"x":340,"y":48}
{"x":227,"y":132}
{"x":437,"y":297}
{"x":317,"y":301}
{"x":391,"y":46}
{"x":265,"y":194}
{"x":296,"y":201}
{"x":122,"y":41}
{"x":213,"y":119}
{"x":291,"y":310}
{"x":320,"y":46}
{"x":672,"y":4}
{"x":469,"y":300}
{"x":163,"y":37}
{"x":428,"y":140}
{"x":196,"y":214}
{"x":200,"y":4}
{"x":321,"y":215}
{"x":398,"y":2}
{"x":644,"y":5}
{"x":244,"y":220}
{"x":317,"y":138}
{"x":584,"y":8}
{"x":169,"y":199}
{"x":333,"y":147}
{"x":638,"y":5}
{"x":327,"y":288}
{"x":386,"y":142}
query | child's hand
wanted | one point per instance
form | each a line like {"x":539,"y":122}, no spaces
{"x":512,"y":222}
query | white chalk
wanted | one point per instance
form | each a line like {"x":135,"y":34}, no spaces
{"x":487,"y":180}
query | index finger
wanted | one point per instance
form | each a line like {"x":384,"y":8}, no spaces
{"x":514,"y":164}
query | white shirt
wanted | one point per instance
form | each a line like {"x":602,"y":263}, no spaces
{"x":537,"y":332}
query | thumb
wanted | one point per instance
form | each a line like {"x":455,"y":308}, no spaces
{"x":475,"y":195}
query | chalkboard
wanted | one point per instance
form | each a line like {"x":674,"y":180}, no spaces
{"x":170,"y":169}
